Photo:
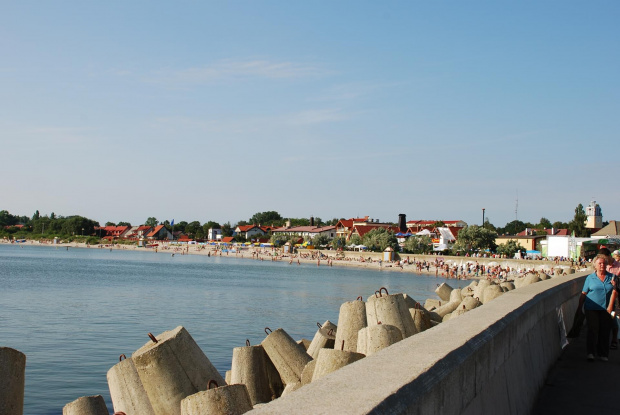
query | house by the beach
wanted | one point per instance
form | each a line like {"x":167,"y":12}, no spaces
{"x":306,"y":232}
{"x":159,"y":233}
{"x":345,"y":228}
{"x":249,"y":231}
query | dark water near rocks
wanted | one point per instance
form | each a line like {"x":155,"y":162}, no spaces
{"x":74,"y":312}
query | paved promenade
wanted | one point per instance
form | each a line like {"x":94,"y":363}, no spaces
{"x":576,"y":386}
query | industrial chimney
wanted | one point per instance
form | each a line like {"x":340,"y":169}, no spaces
{"x":402,"y":222}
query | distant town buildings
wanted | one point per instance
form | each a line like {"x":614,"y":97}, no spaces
{"x":594,"y":216}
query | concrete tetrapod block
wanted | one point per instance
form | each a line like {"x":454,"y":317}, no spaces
{"x":421,"y":318}
{"x":287,"y":356}
{"x":227,"y":377}
{"x":459,"y":311}
{"x":173,"y":369}
{"x":223,"y":400}
{"x":251,"y":366}
{"x":508,"y":285}
{"x":479,"y":289}
{"x":431,"y":303}
{"x":292,"y":387}
{"x":456,"y":296}
{"x":331,"y":360}
{"x":390,"y":309}
{"x":351,"y":319}
{"x":305,"y":343}
{"x":12,"y":381}
{"x":491,"y":293}
{"x":527,"y":280}
{"x":323,"y":338}
{"x":126,"y":389}
{"x":446,"y":309}
{"x":306,"y":375}
{"x":467,"y":292}
{"x":86,"y":405}
{"x":443,"y":291}
{"x":374,"y":338}
{"x":469,"y":303}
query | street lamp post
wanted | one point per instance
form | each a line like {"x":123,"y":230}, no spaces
{"x":483,"y":217}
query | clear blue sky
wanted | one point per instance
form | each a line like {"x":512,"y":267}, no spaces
{"x":122,"y":110}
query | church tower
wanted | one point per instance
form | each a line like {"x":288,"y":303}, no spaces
{"x":594,"y":216}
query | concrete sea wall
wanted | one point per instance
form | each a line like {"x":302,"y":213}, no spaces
{"x":493,"y":359}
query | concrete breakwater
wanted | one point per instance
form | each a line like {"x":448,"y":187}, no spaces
{"x":386,"y":311}
{"x":493,"y":359}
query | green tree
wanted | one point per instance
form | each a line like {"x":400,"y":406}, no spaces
{"x":36,"y":215}
{"x":265,"y":218}
{"x":439,"y":224}
{"x":227,"y":229}
{"x":320,"y":240}
{"x":544,"y":223}
{"x":110,"y":224}
{"x":379,"y":239}
{"x":513,"y":228}
{"x":180,"y":227}
{"x":489,"y":225}
{"x":355,"y":240}
{"x":578,"y":224}
{"x":418,"y":244}
{"x":152,"y":222}
{"x":124,"y":224}
{"x":338,"y":243}
{"x":475,"y":238}
{"x":193,"y":228}
{"x":560,"y":225}
{"x":510,"y":248}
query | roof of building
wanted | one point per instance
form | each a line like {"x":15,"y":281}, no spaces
{"x":305,"y":229}
{"x":431,"y":222}
{"x":245,"y":228}
{"x":155,"y":231}
{"x":362,"y":230}
{"x":613,"y":228}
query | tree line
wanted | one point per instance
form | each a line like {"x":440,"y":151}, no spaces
{"x":471,"y":238}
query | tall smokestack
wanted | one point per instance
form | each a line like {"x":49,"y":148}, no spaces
{"x":402,"y":222}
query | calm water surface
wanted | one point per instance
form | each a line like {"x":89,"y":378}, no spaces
{"x":73,"y":312}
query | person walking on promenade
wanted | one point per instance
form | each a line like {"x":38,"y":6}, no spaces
{"x":597,"y":299}
{"x":614,"y":268}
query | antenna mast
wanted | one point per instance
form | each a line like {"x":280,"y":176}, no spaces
{"x":517,"y":206}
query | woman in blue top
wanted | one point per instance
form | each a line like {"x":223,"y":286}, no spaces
{"x":597,"y":298}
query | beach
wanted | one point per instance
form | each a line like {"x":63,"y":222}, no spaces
{"x":452,"y":267}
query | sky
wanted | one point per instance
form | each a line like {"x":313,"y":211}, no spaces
{"x":202,"y":110}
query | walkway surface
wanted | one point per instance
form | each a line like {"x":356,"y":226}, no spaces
{"x":576,"y":386}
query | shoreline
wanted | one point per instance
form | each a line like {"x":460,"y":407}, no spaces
{"x":449,"y":267}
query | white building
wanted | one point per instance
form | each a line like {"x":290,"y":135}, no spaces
{"x":214,"y":234}
{"x":594,"y":216}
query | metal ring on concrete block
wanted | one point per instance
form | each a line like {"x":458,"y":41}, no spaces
{"x":153,"y":338}
{"x":267,"y":328}
{"x":212,"y":382}
{"x":122,"y":357}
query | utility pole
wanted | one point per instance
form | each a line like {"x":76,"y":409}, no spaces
{"x":483,"y":209}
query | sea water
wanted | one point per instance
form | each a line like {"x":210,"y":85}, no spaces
{"x":74,"y":311}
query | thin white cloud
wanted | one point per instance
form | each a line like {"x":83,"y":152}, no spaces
{"x":353,"y":91}
{"x":245,"y":125}
{"x":227,"y":70}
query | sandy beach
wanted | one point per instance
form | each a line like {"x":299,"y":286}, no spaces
{"x":457,"y":267}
